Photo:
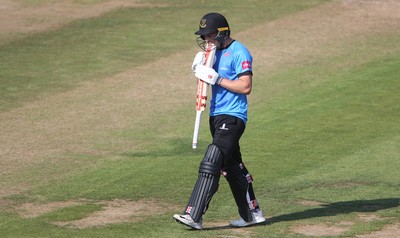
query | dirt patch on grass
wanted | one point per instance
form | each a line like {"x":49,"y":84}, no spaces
{"x":368,"y":217}
{"x":32,"y":210}
{"x":389,"y":231}
{"x":311,"y":203}
{"x":319,"y":230}
{"x":339,"y":228}
{"x":116,"y":211}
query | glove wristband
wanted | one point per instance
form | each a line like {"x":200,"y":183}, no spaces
{"x":219,"y":80}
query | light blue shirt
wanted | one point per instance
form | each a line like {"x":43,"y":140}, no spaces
{"x":230,"y":63}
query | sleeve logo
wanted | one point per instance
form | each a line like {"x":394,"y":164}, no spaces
{"x":246,"y":65}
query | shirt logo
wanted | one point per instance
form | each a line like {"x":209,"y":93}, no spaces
{"x":246,"y":64}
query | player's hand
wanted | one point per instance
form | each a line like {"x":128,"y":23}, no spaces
{"x":199,"y":59}
{"x":207,"y":74}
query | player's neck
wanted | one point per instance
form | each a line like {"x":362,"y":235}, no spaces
{"x":227,"y":43}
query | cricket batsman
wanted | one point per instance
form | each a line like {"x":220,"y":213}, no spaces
{"x":231,"y":80}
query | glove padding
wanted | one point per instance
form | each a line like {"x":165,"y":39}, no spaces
{"x":199,"y":59}
{"x":207,"y":74}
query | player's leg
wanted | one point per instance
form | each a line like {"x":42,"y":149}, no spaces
{"x":253,"y":203}
{"x":226,"y":131}
{"x":205,"y":187}
{"x":239,"y":187}
{"x":241,"y":192}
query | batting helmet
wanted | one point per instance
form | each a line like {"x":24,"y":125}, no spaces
{"x":211,"y":23}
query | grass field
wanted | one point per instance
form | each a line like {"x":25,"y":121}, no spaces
{"x":97,"y":112}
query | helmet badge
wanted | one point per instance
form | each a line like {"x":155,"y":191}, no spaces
{"x":203,"y":23}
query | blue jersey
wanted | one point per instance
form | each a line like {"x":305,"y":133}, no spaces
{"x":230,"y":63}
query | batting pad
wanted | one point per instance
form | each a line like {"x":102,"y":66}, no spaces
{"x":207,"y":183}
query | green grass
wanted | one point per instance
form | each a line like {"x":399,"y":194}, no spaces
{"x":50,"y":62}
{"x":71,"y":213}
{"x":324,"y":131}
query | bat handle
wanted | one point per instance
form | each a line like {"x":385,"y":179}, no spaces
{"x":196,"y":129}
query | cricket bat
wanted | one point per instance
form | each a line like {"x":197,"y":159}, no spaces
{"x":201,"y":99}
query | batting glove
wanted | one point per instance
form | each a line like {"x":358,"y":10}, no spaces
{"x":199,"y":59}
{"x":207,"y":74}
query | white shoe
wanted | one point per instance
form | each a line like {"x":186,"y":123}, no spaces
{"x":258,"y":218}
{"x":188,"y":221}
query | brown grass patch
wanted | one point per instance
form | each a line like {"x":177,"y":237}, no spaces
{"x":311,"y":203}
{"x":389,"y":231}
{"x":116,"y":211}
{"x":319,"y":230}
{"x":337,"y":229}
{"x":32,"y":210}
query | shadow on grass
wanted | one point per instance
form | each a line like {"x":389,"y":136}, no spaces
{"x":330,"y":209}
{"x":337,"y":208}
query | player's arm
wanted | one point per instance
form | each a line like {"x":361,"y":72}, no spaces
{"x":242,"y":85}
{"x":209,"y":75}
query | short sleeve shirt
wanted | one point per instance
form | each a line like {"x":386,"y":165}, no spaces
{"x":230,"y":63}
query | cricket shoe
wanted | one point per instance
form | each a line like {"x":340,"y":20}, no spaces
{"x":188,"y":221}
{"x":258,"y":218}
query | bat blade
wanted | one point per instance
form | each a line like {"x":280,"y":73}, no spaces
{"x":201,"y":99}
